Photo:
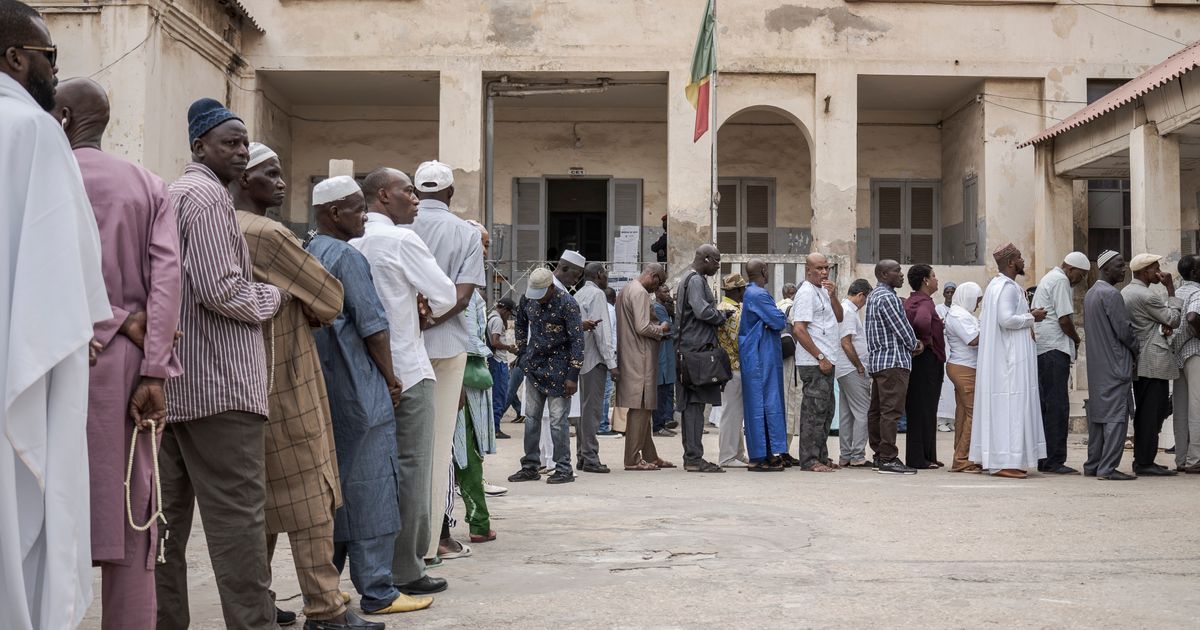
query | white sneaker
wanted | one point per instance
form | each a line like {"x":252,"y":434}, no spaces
{"x":945,"y":428}
{"x":494,"y":491}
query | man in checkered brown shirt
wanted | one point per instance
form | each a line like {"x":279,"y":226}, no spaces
{"x":302,"y":479}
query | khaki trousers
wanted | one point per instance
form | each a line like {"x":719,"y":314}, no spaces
{"x":312,"y":552}
{"x":963,"y":378}
{"x":639,"y":441}
{"x":446,"y":392}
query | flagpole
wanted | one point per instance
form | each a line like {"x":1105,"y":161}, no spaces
{"x":712,"y":126}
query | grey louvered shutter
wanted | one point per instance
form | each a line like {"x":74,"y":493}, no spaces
{"x":727,"y":217}
{"x":529,"y":241}
{"x":888,"y":201}
{"x":625,"y":197}
{"x":922,"y":206}
{"x":758,"y":202}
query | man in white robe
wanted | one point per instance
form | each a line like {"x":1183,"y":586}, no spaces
{"x":51,"y":293}
{"x":1007,"y":436}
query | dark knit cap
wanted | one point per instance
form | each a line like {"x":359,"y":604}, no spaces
{"x":205,"y":114}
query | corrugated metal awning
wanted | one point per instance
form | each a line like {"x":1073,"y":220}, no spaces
{"x":1175,"y":66}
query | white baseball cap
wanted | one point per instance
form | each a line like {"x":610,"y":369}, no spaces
{"x":539,"y":281}
{"x":433,"y":176}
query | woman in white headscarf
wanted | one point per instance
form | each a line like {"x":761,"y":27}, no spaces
{"x":962,"y":346}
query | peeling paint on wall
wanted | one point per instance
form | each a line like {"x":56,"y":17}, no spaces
{"x":1064,"y":21}
{"x":512,"y":23}
{"x":790,"y":17}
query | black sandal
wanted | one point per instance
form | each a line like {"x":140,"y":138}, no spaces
{"x":518,"y":420}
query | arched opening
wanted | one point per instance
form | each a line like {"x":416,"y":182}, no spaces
{"x":764,"y":164}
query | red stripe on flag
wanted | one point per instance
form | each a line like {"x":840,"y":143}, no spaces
{"x":702,"y":109}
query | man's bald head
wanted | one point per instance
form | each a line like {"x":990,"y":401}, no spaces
{"x":888,"y":272}
{"x":756,"y":271}
{"x":81,"y":105}
{"x":707,"y":260}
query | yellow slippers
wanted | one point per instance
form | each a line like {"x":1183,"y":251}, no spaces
{"x":403,"y":603}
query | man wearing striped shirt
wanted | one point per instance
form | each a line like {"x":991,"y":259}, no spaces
{"x":891,"y":345}
{"x":213,"y":446}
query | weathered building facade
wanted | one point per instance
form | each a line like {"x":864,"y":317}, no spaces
{"x":863,"y":129}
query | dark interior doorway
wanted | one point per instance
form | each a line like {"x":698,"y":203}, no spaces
{"x":577,"y":217}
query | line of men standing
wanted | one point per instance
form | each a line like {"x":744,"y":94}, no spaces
{"x":281,"y":386}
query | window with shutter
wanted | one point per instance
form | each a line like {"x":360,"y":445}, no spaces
{"x":745,"y":215}
{"x":906,"y":218}
{"x":529,"y":215}
{"x":971,"y":220}
{"x":625,"y":201}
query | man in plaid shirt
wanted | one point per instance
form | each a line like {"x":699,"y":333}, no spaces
{"x":891,"y":345}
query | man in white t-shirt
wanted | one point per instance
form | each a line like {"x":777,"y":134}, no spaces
{"x":854,"y":386}
{"x":816,"y":314}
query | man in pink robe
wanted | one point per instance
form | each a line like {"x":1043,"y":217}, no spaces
{"x":140,"y":252}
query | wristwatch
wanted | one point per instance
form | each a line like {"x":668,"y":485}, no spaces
{"x":821,"y":357}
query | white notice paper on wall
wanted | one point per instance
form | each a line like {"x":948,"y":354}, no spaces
{"x":625,"y":256}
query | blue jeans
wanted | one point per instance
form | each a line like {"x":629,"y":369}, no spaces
{"x":370,"y":569}
{"x":516,"y":376}
{"x":560,"y":430}
{"x":665,"y":410}
{"x":605,"y":424}
{"x":499,"y":371}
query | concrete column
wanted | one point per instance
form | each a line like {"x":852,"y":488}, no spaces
{"x":460,"y":136}
{"x":1010,"y":179}
{"x":1155,"y":202}
{"x":1052,"y":213}
{"x":835,"y":168}
{"x":689,"y":178}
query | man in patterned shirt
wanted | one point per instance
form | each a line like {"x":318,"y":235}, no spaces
{"x":891,"y":344}
{"x":731,"y":445}
{"x":550,"y":351}
{"x":213,"y":446}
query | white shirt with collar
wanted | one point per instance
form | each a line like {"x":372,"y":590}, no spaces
{"x":401,"y":267}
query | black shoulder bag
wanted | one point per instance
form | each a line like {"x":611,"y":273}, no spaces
{"x":707,"y":366}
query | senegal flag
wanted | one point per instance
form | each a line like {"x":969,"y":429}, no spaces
{"x":704,"y":63}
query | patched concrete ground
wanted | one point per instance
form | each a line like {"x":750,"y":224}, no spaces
{"x":848,"y":549}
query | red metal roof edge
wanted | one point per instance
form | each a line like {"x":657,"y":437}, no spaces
{"x":1173,"y":67}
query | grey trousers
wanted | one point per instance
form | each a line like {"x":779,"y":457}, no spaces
{"x":1106,"y":444}
{"x":414,"y":448}
{"x":1186,"y":410}
{"x":732,"y":441}
{"x":692,"y":421}
{"x":854,"y":395}
{"x":216,"y":462}
{"x":591,"y":406}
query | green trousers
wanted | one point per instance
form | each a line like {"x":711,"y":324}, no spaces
{"x":470,"y":483}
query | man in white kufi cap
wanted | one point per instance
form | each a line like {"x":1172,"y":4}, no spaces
{"x":1057,"y":344}
{"x":1111,"y":351}
{"x":1154,"y":320}
{"x":301,"y":467}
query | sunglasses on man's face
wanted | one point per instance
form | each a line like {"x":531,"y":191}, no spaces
{"x":51,"y":52}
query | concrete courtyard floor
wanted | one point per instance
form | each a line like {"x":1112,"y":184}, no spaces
{"x":848,"y":549}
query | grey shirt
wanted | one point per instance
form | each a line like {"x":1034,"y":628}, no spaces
{"x":597,"y":348}
{"x":1110,"y":349}
{"x":1149,"y":312}
{"x":456,"y":246}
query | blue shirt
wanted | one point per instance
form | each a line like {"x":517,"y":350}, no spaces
{"x":890,"y":338}
{"x":364,"y":427}
{"x":550,"y":339}
{"x":666,"y":349}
